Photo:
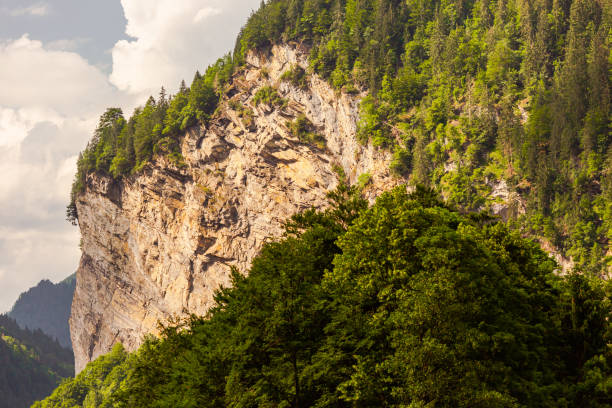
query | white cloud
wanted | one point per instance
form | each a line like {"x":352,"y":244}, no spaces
{"x":35,"y":240}
{"x":28,"y":257}
{"x":50,"y":101}
{"x":173,"y":39}
{"x":37,"y":10}
{"x":205,"y":13}
{"x":49,"y":105}
{"x":70,"y":44}
{"x":15,"y":124}
{"x":34,"y":76}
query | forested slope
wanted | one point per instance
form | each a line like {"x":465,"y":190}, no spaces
{"x":407,"y":303}
{"x":491,"y":102}
{"x":469,"y":92}
{"x":47,"y":307}
{"x":31,"y":364}
{"x":416,"y":301}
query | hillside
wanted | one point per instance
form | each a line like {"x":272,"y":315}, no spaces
{"x":31,"y":364}
{"x":407,"y":303}
{"x":47,"y":307}
{"x":502,"y":107}
{"x":159,"y":242}
{"x":498,"y":104}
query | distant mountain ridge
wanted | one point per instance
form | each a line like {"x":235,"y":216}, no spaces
{"x":32,"y":364}
{"x":47,"y":307}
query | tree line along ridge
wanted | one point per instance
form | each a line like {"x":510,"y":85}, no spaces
{"x":464,"y":93}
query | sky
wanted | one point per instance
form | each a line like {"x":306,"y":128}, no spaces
{"x":62,"y":63}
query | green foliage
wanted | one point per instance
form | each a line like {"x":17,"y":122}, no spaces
{"x":374,"y":123}
{"x":527,"y":81}
{"x":364,"y":180}
{"x":402,"y":162}
{"x":269,"y":95}
{"x":406,"y":303}
{"x":95,"y":386}
{"x":120,"y":148}
{"x":296,"y":76}
{"x":47,"y":307}
{"x":303,"y":128}
{"x":202,"y":99}
{"x":33,"y":364}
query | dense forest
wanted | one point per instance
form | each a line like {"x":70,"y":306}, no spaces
{"x":423,"y":299}
{"x":408,"y":303}
{"x":464,"y":92}
{"x":47,"y":307}
{"x":31,"y":364}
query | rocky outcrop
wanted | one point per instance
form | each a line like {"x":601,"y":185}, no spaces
{"x":157,"y":245}
{"x":160,"y":243}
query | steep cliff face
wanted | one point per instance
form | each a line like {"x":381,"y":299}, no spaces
{"x":158,"y":244}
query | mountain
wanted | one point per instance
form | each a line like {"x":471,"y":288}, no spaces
{"x":160,"y":242}
{"x":47,"y":307}
{"x":502,"y":107}
{"x":403,"y":303}
{"x":31,"y":364}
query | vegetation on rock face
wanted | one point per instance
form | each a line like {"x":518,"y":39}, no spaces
{"x":269,"y":96}
{"x":464,"y":92}
{"x":304,"y":130}
{"x":406,"y":303}
{"x":122,"y":147}
{"x":47,"y":307}
{"x":244,"y":113}
{"x":296,"y":76}
{"x":31,"y":364}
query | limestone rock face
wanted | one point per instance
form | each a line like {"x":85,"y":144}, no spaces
{"x":157,"y":245}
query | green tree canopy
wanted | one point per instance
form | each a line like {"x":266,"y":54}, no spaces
{"x":408,"y":303}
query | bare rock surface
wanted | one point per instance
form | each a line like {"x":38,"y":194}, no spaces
{"x":159,"y":244}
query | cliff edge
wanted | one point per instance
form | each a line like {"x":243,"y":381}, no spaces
{"x":158,"y":244}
